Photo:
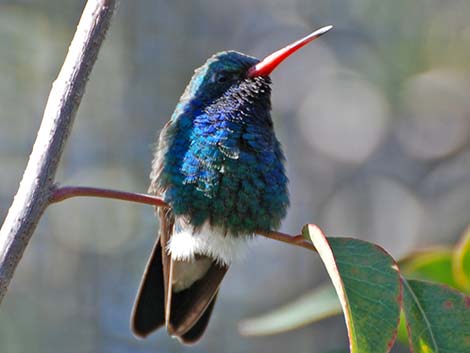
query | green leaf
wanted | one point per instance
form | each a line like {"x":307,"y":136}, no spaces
{"x":431,"y":264}
{"x":314,"y":306}
{"x":368,"y":285}
{"x":461,"y":262}
{"x":438,"y":318}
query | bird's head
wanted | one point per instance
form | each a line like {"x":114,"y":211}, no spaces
{"x":220,"y":72}
{"x":226,"y":71}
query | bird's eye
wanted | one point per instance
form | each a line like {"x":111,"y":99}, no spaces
{"x":222,"y":77}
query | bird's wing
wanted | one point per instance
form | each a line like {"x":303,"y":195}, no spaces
{"x":152,"y":305}
{"x":148,"y":312}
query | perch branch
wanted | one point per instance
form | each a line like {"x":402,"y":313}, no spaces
{"x":297,"y":240}
{"x":35,"y":188}
{"x":66,"y":192}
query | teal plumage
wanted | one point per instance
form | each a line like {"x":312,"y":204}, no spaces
{"x":221,"y":161}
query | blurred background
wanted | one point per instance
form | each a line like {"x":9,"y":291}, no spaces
{"x":374,"y":118}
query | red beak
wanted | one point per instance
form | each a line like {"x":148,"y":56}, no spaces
{"x":269,"y":63}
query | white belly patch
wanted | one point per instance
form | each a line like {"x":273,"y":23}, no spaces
{"x":184,"y":244}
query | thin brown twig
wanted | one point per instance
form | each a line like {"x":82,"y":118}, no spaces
{"x":66,"y":192}
{"x":296,"y":240}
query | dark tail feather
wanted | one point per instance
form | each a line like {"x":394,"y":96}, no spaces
{"x":149,"y":308}
{"x":191,"y":308}
{"x":196,"y":332}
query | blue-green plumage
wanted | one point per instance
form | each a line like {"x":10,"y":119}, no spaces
{"x":220,"y":159}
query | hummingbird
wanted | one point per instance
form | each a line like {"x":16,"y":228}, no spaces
{"x":220,"y":168}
